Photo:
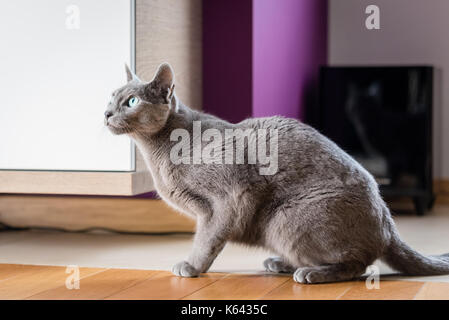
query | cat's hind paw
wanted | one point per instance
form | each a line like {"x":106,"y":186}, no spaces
{"x":328,"y":273}
{"x":184,"y":269}
{"x":277,"y":265}
{"x":308,"y":275}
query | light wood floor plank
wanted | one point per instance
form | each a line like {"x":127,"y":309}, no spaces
{"x":166,"y":286}
{"x":433,"y":291}
{"x":37,"y":280}
{"x":292,"y":290}
{"x":389,"y":290}
{"x":8,"y":271}
{"x":48,"y":282}
{"x":98,"y":286}
{"x":239,"y":287}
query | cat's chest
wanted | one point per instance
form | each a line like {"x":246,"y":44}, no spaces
{"x":172,"y":189}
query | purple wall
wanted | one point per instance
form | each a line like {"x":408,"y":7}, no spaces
{"x":261,"y":57}
{"x":227,"y":58}
{"x":289,"y":44}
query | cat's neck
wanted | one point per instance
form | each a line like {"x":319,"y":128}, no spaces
{"x":156,"y":146}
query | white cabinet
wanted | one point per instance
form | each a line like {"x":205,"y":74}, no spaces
{"x":59,"y":64}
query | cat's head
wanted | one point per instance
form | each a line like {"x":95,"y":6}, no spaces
{"x":141,"y":107}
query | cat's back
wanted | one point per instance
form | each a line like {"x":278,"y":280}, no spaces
{"x":287,"y":129}
{"x":293,"y":137}
{"x":307,"y":155}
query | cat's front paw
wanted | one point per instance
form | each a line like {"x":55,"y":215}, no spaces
{"x":184,"y":269}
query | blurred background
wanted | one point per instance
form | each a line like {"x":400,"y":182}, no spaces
{"x":370,"y":79}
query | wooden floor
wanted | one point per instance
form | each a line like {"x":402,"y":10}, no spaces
{"x":47,"y":282}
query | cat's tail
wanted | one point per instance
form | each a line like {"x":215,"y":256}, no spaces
{"x":401,"y":257}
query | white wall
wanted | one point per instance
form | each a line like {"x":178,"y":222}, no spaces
{"x":411,"y":32}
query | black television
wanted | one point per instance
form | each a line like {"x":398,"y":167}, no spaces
{"x":382,"y":116}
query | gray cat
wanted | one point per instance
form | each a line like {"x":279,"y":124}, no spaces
{"x":320,"y":212}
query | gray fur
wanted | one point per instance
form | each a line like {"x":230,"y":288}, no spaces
{"x":321,"y":213}
{"x":278,"y":265}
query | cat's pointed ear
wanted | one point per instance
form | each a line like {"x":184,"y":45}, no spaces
{"x":130,"y":75}
{"x":164,"y":77}
{"x":163,"y":83}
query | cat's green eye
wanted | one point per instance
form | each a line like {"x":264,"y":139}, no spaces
{"x":132,"y":102}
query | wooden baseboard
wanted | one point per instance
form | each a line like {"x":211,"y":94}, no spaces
{"x":82,"y":213}
{"x":441,"y":189}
